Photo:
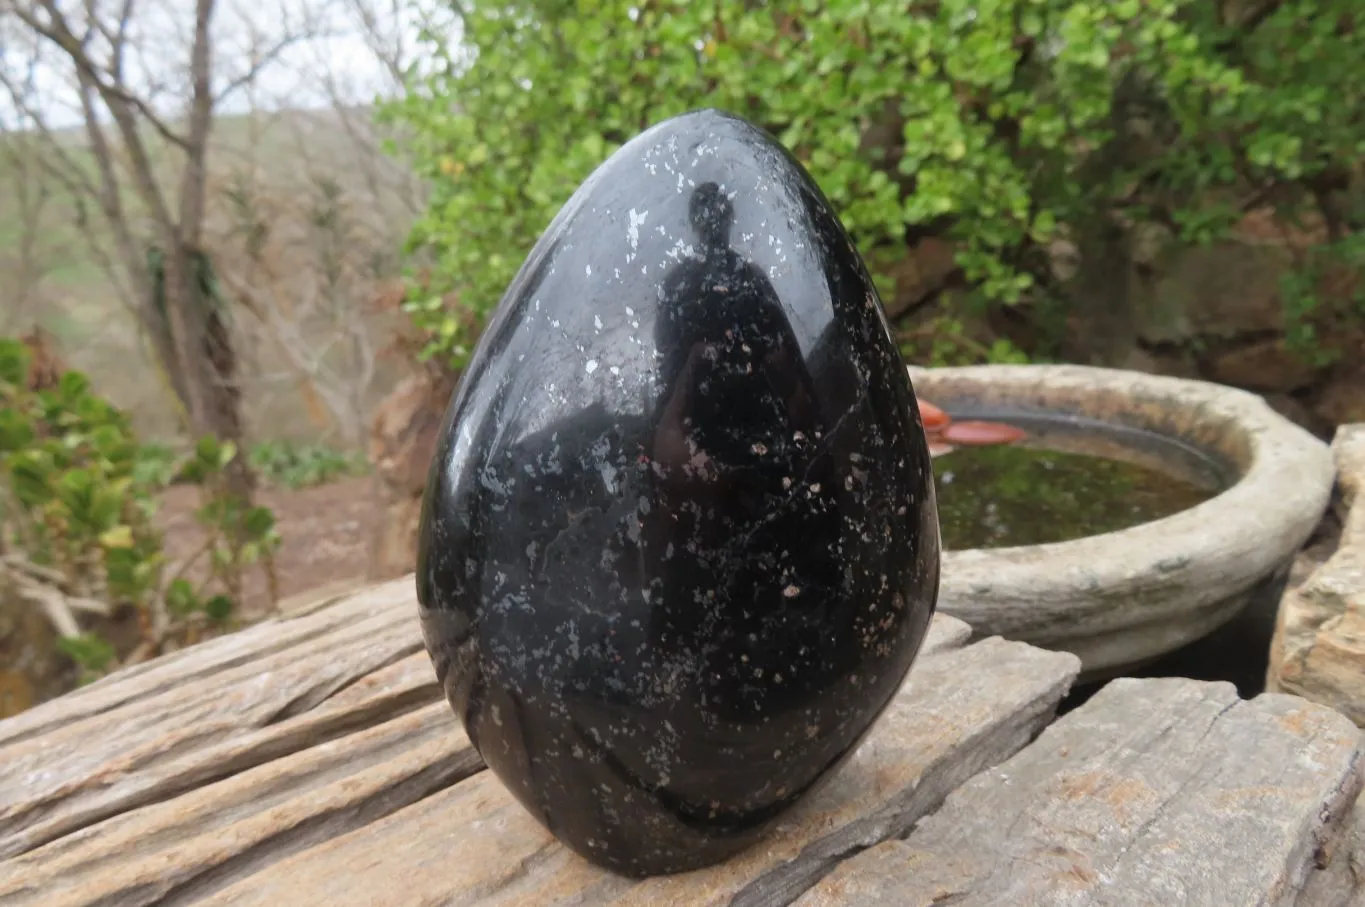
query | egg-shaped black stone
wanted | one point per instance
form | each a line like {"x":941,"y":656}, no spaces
{"x":679,"y":544}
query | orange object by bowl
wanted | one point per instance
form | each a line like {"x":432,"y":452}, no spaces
{"x":932,"y":417}
{"x":981,"y":433}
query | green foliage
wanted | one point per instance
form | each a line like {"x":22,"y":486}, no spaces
{"x":92,"y":654}
{"x":1001,"y":124}
{"x":303,"y":465}
{"x":77,"y":500}
{"x":945,"y":341}
{"x":1325,"y":293}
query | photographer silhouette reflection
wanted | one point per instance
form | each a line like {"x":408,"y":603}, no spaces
{"x":736,"y":469}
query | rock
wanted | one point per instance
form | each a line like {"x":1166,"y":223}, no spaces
{"x":1176,"y":362}
{"x":1224,"y":289}
{"x":1297,"y":412}
{"x":1263,"y":365}
{"x":680,"y":546}
{"x":1341,"y":399}
{"x":403,"y":437}
{"x":1125,"y":801}
{"x":1348,"y":449}
{"x":1319,"y":647}
{"x":925,"y":270}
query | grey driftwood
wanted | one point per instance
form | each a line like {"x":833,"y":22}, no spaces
{"x":1156,"y":792}
{"x":312,"y":761}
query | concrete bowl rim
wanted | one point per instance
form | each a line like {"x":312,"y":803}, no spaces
{"x":1239,"y":534}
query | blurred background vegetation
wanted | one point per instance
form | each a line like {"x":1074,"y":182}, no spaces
{"x":257,"y":291}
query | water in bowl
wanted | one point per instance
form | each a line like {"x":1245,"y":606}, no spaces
{"x":1069,"y":479}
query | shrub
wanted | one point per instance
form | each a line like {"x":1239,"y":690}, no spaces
{"x":77,"y":501}
{"x":303,"y":465}
{"x":1001,"y":124}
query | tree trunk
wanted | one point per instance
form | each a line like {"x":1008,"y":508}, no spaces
{"x":204,"y":358}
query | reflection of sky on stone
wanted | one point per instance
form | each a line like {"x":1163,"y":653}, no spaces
{"x":611,"y":350}
{"x":614,"y":347}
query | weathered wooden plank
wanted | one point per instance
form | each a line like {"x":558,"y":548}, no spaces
{"x":57,"y":782}
{"x":208,"y":735}
{"x":216,"y":656}
{"x":386,"y":694}
{"x":1156,"y":792}
{"x":961,"y":710}
{"x":330,"y":775}
{"x":179,"y":850}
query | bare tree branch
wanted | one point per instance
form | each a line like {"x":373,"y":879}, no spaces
{"x":119,"y":40}
{"x":260,"y":62}
{"x":192,"y":184}
{"x":115,"y":95}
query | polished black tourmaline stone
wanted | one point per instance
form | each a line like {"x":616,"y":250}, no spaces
{"x":679,"y":545}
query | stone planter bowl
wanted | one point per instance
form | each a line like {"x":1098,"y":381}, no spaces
{"x":1121,"y":599}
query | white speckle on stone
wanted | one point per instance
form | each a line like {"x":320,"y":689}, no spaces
{"x":597,"y":322}
{"x":791,"y":591}
{"x":637,"y":220}
{"x":591,"y":366}
{"x":587,"y":269}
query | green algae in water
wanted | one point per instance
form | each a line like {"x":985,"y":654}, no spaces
{"x":1002,"y":496}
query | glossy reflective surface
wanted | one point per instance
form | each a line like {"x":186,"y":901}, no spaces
{"x":679,"y":546}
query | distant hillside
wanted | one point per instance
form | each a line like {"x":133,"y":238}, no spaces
{"x":292,"y":162}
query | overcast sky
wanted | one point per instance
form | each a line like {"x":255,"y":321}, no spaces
{"x":340,"y":50}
